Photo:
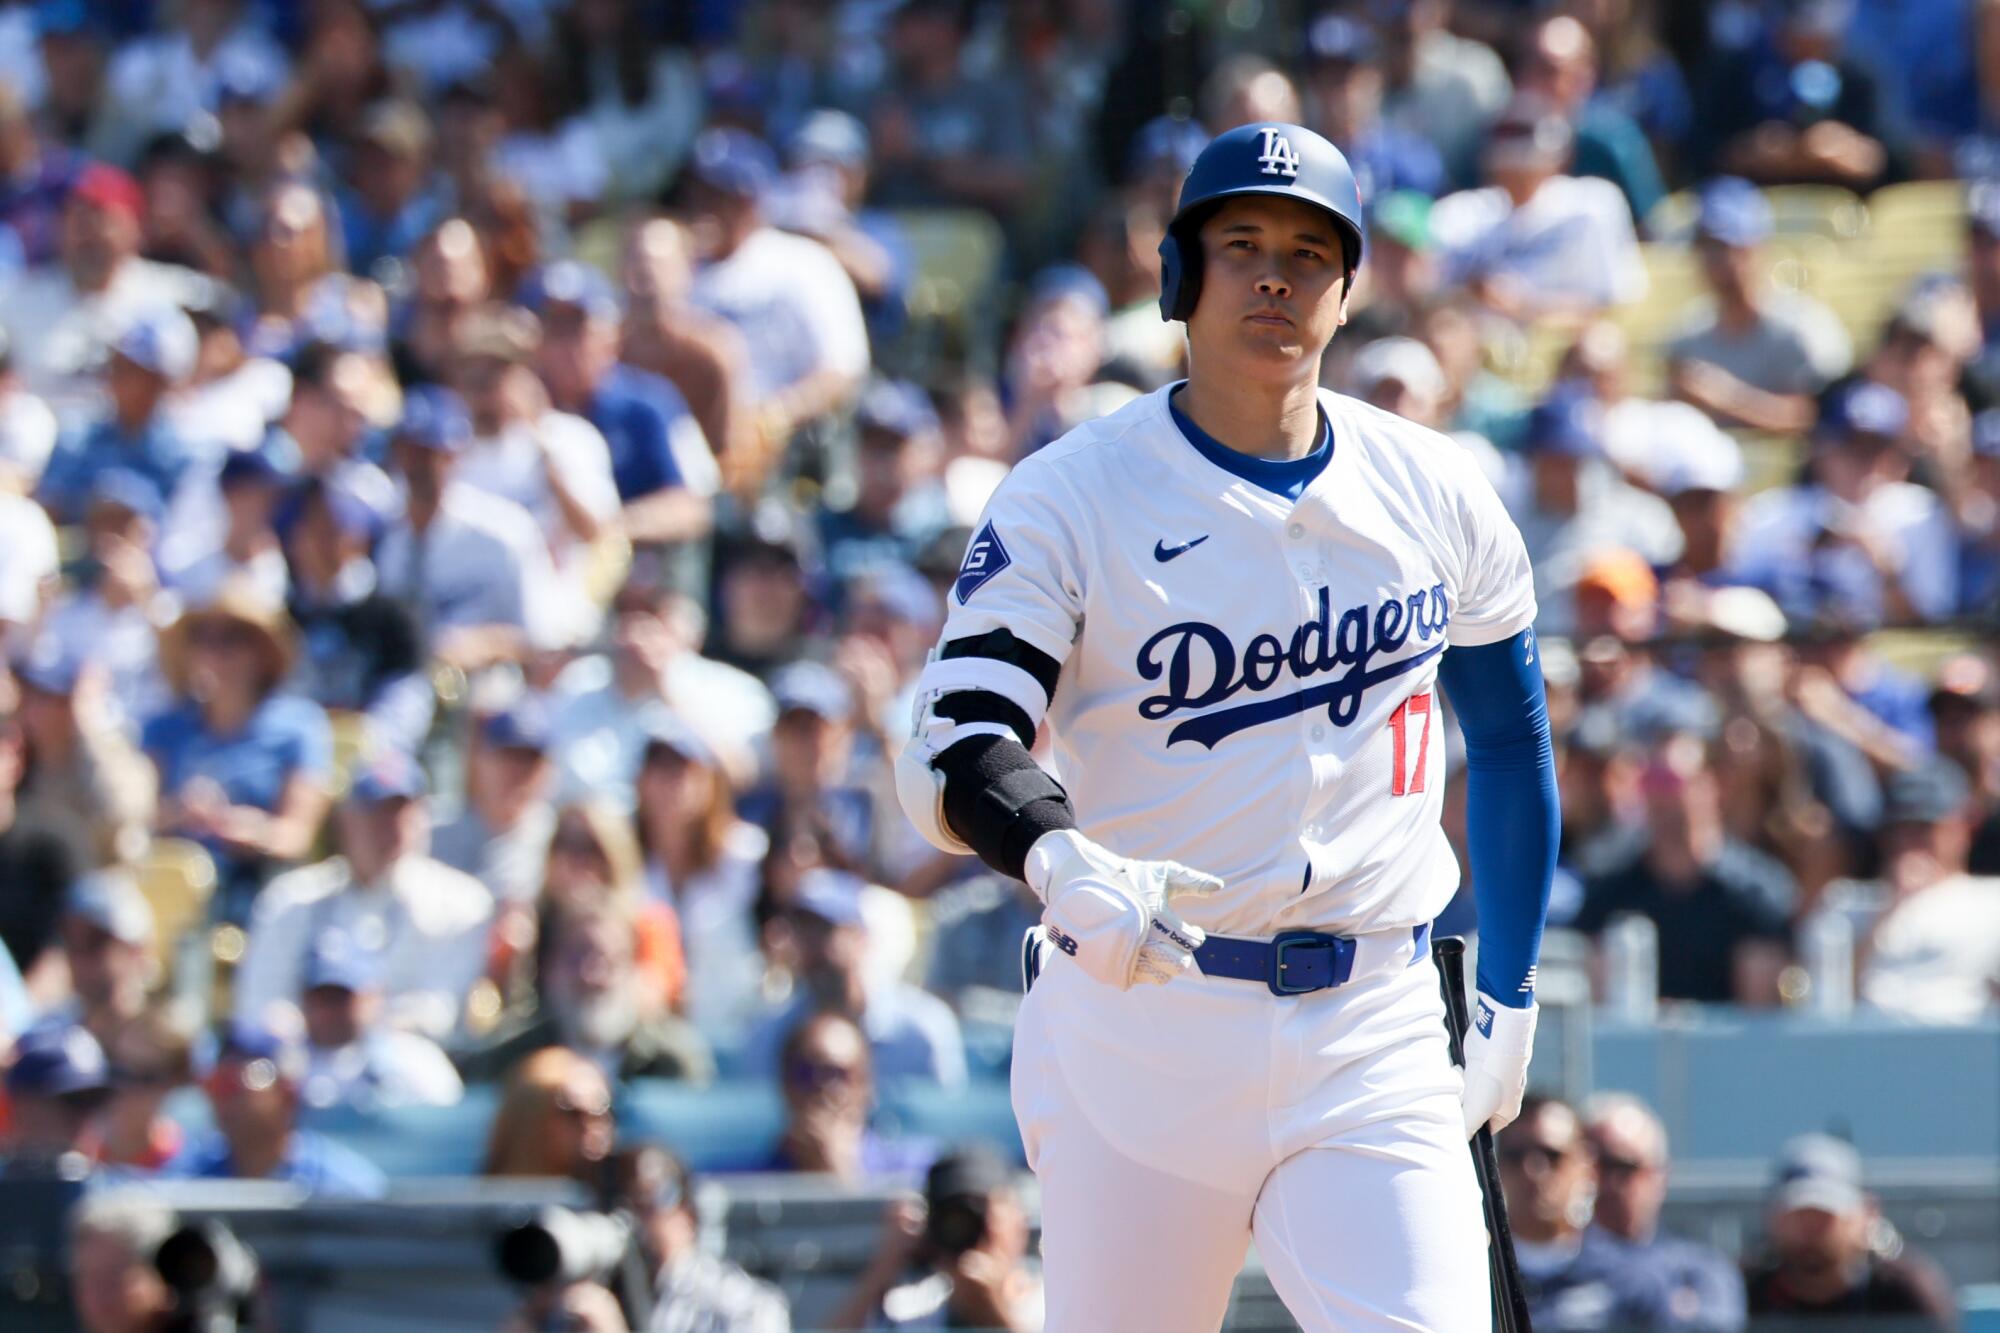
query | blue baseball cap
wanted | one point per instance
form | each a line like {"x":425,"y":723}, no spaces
{"x":1734,"y":212}
{"x":58,"y":1060}
{"x":1072,"y":281}
{"x":524,"y":726}
{"x":734,"y":161}
{"x":573,"y":283}
{"x":433,"y":418}
{"x":248,"y":467}
{"x":66,"y":17}
{"x":1566,"y":424}
{"x":1928,"y":794}
{"x":162,"y":341}
{"x":808,"y":687}
{"x":390,"y":775}
{"x":336,"y":961}
{"x":1864,"y":408}
{"x":895,"y":408}
{"x":51,"y":664}
{"x":834,"y":896}
{"x":128,"y":490}
{"x":246,"y":1043}
{"x":831,"y":136}
{"x":1337,"y":38}
{"x":1165,"y":141}
{"x":1986,"y":433}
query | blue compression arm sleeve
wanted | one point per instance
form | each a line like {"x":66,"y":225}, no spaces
{"x":1513,"y":819}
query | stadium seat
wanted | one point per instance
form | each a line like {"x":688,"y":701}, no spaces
{"x":178,"y":880}
{"x":958,"y":255}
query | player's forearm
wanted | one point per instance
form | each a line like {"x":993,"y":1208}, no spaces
{"x":1513,"y":814}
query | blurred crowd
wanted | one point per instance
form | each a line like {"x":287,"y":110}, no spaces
{"x":478,"y":479}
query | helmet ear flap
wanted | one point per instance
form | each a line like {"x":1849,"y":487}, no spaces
{"x":1180,"y":272}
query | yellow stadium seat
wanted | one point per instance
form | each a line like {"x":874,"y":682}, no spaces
{"x":350,"y":748}
{"x":178,"y":880}
{"x":1796,"y":210}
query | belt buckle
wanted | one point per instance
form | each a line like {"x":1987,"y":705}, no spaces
{"x":1292,"y":941}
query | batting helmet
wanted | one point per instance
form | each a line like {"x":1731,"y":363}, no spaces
{"x":1288,"y":161}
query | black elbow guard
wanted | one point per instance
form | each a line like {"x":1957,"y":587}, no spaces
{"x":999,"y":801}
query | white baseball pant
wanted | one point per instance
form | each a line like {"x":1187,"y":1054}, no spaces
{"x":1169,"y":1125}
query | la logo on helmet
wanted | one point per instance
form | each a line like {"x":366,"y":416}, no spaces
{"x":1279,"y":158}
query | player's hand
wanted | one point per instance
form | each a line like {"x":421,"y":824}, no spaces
{"x":1497,"y":1047}
{"x":1116,"y":917}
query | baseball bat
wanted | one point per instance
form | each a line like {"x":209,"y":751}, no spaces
{"x":1510,"y":1301}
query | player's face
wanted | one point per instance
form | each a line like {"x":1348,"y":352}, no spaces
{"x":1273,"y":289}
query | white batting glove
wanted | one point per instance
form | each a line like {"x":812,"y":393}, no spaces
{"x":1497,"y":1047}
{"x":1116,"y":916}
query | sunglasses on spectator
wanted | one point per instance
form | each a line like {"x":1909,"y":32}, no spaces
{"x":593,"y":1105}
{"x":812,"y":1075}
{"x":1518,"y":1154}
{"x":221,"y":636}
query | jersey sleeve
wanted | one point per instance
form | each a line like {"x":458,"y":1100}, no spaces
{"x":1496,"y":591}
{"x":1021,"y":571}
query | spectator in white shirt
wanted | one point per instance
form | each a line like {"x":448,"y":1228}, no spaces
{"x":63,"y":317}
{"x":796,"y":306}
{"x":501,"y":837}
{"x":352,"y":1059}
{"x":1536,"y":243}
{"x":552,"y":464}
{"x":27,"y":428}
{"x":472,"y":567}
{"x":423,"y":924}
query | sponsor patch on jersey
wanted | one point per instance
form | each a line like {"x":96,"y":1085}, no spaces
{"x":985,"y":556}
{"x":1061,"y":940}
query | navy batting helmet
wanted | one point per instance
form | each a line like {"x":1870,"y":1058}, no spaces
{"x":1289,"y":161}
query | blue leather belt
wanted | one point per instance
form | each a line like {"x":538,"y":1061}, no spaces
{"x":1297,"y":962}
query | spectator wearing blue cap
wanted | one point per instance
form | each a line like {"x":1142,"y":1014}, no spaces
{"x":251,"y":485}
{"x":946,"y":135}
{"x":360,"y":648}
{"x":253,"y":1088}
{"x":898,"y":508}
{"x":338,"y":396}
{"x":86,"y":783}
{"x":806,"y":338}
{"x":824,"y":195}
{"x":501,"y":836}
{"x":1158,"y":159}
{"x":1856,"y":538}
{"x":107,"y":938}
{"x":811,"y":784}
{"x":245,"y":765}
{"x":420,"y":923}
{"x":1344,"y":83}
{"x":473,"y":567}
{"x":1573,"y":505}
{"x":352,"y":1058}
{"x":1536,"y":242}
{"x":665,"y":475}
{"x":150,"y":357}
{"x":911,"y":1033}
{"x":706,"y":861}
{"x":1759,"y":357}
{"x":56,"y":1084}
{"x":605,"y":706}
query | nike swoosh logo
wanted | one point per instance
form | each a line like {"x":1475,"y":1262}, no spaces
{"x":1163,"y":552}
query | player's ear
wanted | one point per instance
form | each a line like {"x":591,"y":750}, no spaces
{"x":1346,"y":294}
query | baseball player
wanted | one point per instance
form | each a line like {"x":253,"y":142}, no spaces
{"x":1234,"y":602}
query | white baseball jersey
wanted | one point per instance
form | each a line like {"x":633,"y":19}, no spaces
{"x":1248,"y":683}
